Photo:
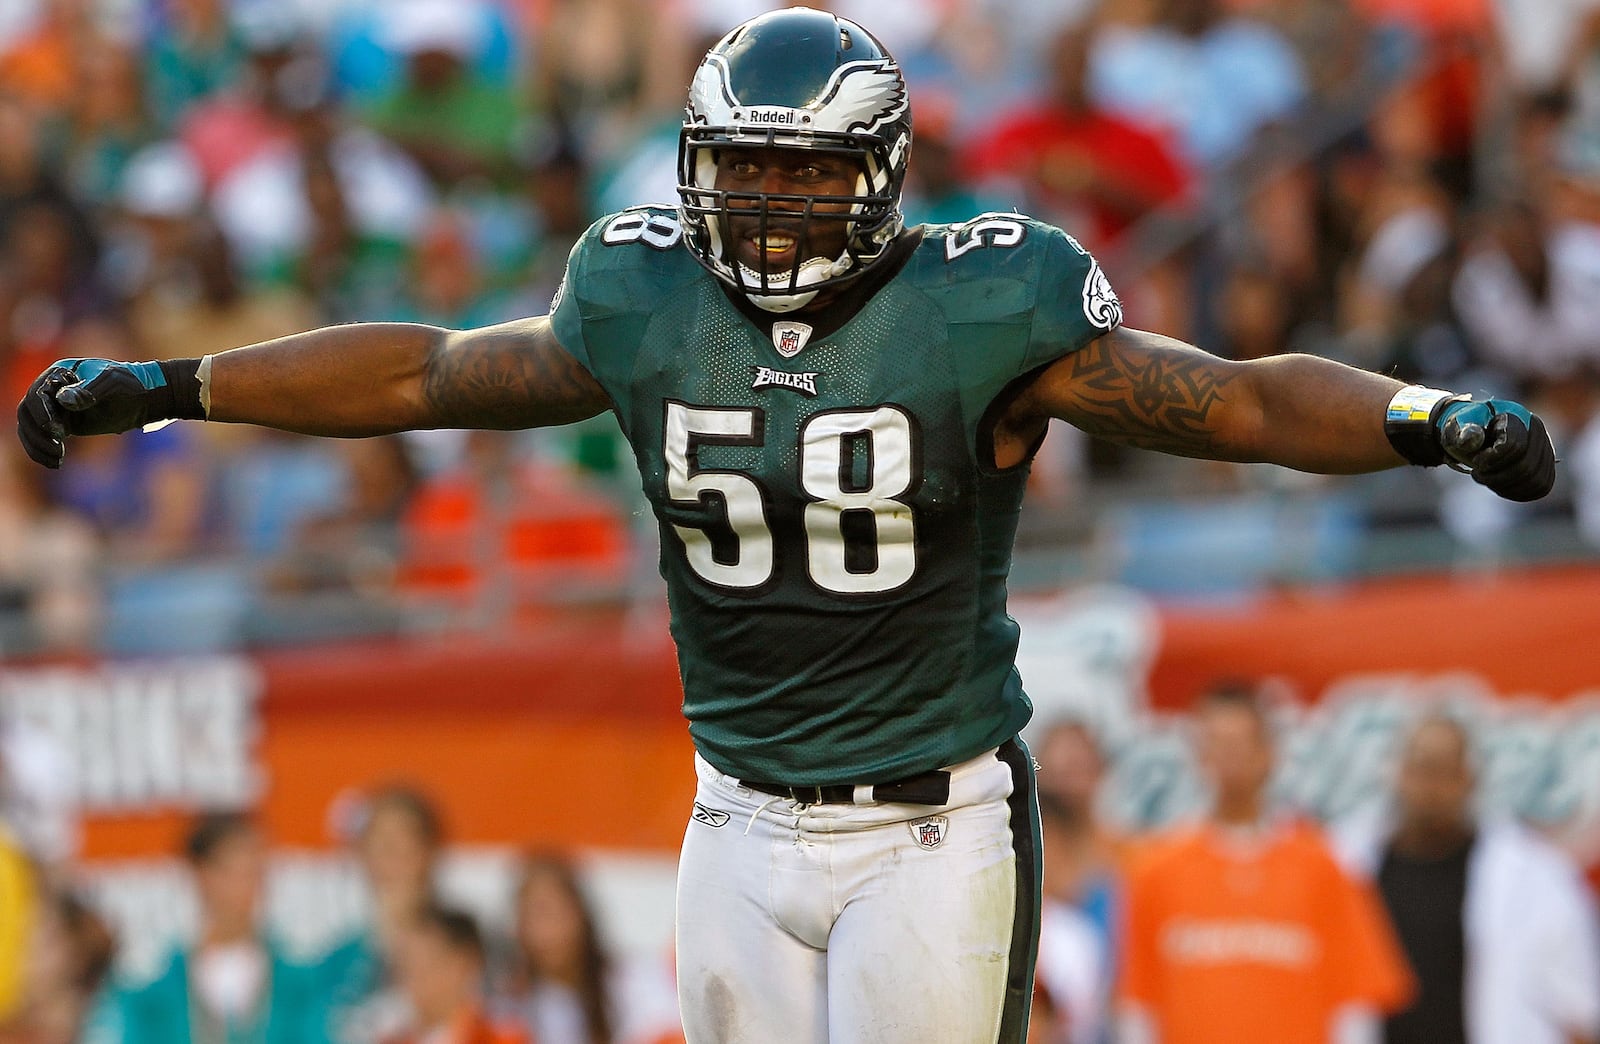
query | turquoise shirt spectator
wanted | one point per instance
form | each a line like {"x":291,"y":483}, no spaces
{"x":163,"y":1011}
{"x":179,"y":72}
{"x":356,"y":979}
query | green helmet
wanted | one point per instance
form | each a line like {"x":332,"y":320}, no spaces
{"x":803,"y":79}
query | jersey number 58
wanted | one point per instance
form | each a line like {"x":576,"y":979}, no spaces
{"x":860,"y":539}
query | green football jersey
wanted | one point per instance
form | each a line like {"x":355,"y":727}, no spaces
{"x":835,"y":537}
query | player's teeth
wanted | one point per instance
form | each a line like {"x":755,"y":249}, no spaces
{"x":777,"y":244}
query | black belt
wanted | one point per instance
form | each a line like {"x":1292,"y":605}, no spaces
{"x":930,"y":788}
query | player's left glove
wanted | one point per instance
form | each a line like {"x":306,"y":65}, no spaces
{"x":1499,"y":442}
{"x":101,"y":397}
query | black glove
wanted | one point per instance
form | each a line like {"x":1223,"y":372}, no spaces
{"x":101,"y":397}
{"x":1502,"y":444}
{"x":1513,"y":456}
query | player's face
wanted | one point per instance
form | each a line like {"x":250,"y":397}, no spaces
{"x":780,"y":171}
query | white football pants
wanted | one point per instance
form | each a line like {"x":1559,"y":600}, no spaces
{"x":850,"y":923}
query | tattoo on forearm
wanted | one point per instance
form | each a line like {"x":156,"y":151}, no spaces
{"x":509,"y":376}
{"x":1149,"y":396}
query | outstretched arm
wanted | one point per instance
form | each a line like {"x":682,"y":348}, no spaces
{"x":376,"y":378}
{"x":1302,"y":412}
{"x":355,"y":380}
{"x":1154,"y":392}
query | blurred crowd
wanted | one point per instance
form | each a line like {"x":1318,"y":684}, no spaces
{"x":418,"y":969}
{"x":1422,"y":920}
{"x":1426,"y":918}
{"x":1411,"y":186}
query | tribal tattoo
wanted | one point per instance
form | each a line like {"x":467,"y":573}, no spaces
{"x":1150,"y":392}
{"x":514,"y":375}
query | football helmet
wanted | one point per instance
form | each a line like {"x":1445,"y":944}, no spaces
{"x":802,"y":79}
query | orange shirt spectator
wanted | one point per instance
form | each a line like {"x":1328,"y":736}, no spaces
{"x":472,"y":1028}
{"x":42,"y":66}
{"x":1239,"y":938}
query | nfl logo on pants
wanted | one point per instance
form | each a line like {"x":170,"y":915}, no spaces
{"x":929,"y":831}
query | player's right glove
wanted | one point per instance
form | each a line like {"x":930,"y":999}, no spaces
{"x":101,"y":397}
{"x":1500,"y":443}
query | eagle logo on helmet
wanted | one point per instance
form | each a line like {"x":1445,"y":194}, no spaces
{"x":861,"y":97}
{"x":865,"y":96}
{"x":711,"y":97}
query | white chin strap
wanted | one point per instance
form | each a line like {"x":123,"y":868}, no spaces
{"x":814,"y":270}
{"x":782,"y":302}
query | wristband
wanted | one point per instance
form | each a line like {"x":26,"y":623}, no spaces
{"x":181,"y":400}
{"x":1410,"y":423}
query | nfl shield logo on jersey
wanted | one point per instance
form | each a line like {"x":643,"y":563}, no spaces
{"x":930,"y":830}
{"x":789,"y":337}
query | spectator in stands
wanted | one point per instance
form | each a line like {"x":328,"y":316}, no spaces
{"x":568,"y":989}
{"x":49,"y":597}
{"x":48,"y":249}
{"x":453,"y":121}
{"x":337,"y":577}
{"x":448,"y":282}
{"x":233,"y":983}
{"x":1525,"y":289}
{"x":558,"y":185}
{"x":439,"y":963}
{"x":1245,"y":927}
{"x":1075,"y":958}
{"x":193,"y":51}
{"x":1497,"y":922}
{"x":1428,"y":342}
{"x":354,"y":546}
{"x":229,"y":127}
{"x":606,"y":69}
{"x":42,"y":65}
{"x":397,"y":843}
{"x":1084,"y":867}
{"x":1091,"y":170}
{"x":106,"y":121}
{"x":329,"y":209}
{"x":159,"y":197}
{"x":1212,"y":78}
{"x":360,"y":37}
{"x":938,"y":187}
{"x":201,"y":297}
{"x":69,"y":962}
{"x":1451,"y":60}
{"x":19,"y":892}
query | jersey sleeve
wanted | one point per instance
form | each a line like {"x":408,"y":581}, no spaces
{"x":566,"y":310}
{"x":1074,"y":303}
{"x":619,"y":275}
{"x":1018,"y":294}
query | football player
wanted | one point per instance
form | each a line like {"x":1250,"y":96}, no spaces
{"x":833,"y":417}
